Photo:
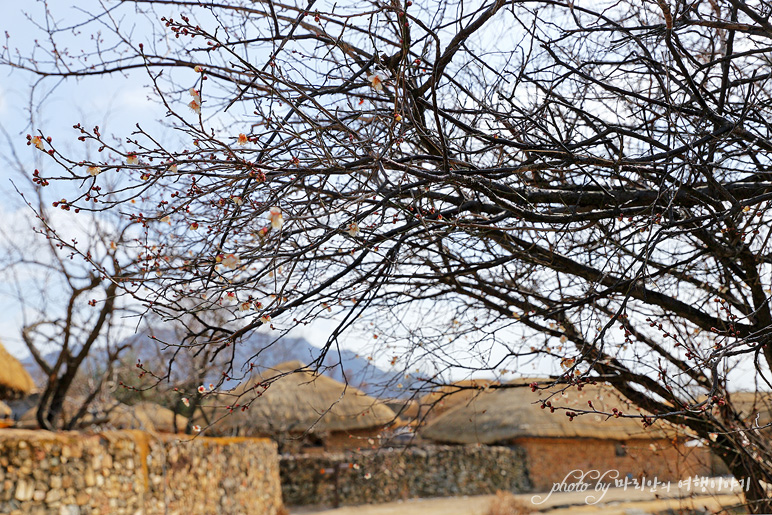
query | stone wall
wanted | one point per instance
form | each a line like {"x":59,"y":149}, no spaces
{"x":390,"y":475}
{"x":129,"y":472}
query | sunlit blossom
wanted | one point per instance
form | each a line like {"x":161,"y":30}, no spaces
{"x":197,"y":429}
{"x":195,"y":104}
{"x":211,"y":386}
{"x":277,"y":220}
{"x":194,"y":226}
{"x":202,"y":389}
{"x":242,"y":139}
{"x":173,"y":168}
{"x":376,"y":80}
{"x":198,"y":69}
{"x":93,"y":170}
{"x":231,"y":261}
{"x":38,"y":142}
{"x":398,"y":117}
{"x":245,"y":306}
{"x":353,"y":229}
{"x":185,"y":401}
{"x":265,"y":319}
{"x":237,"y":200}
{"x":132,"y":159}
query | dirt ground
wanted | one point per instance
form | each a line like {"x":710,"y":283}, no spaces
{"x":616,"y":501}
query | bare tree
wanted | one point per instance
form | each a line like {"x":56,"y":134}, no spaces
{"x":64,"y":273}
{"x":586,"y":183}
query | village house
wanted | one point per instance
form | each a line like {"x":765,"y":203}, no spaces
{"x":301,"y":411}
{"x":15,"y":381}
{"x":556,"y":444}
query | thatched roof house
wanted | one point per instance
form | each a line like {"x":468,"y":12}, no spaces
{"x":408,"y":410}
{"x":753,"y":407}
{"x":297,"y":403}
{"x":6,"y":413}
{"x":446,"y":397}
{"x":147,"y":416}
{"x":500,"y":415}
{"x":5,"y":410}
{"x":15,"y":381}
{"x":556,"y":444}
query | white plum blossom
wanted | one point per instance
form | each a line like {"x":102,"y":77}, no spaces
{"x":195,"y":104}
{"x":231,"y":261}
{"x":376,"y":81}
{"x":275,"y":215}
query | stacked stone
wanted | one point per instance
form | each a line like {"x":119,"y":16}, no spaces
{"x":215,"y":475}
{"x":65,"y":473}
{"x":390,"y":475}
{"x":130,"y":472}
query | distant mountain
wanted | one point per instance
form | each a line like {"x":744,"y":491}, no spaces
{"x":263,"y":352}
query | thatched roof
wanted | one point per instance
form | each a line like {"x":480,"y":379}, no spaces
{"x":123,"y":416}
{"x":447,"y":397}
{"x":15,"y":381}
{"x":301,"y":402}
{"x":751,"y":405}
{"x":161,"y":418}
{"x":146,"y":416}
{"x":406,"y":409}
{"x":504,"y":414}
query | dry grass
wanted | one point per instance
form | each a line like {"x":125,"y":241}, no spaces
{"x":507,"y":504}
